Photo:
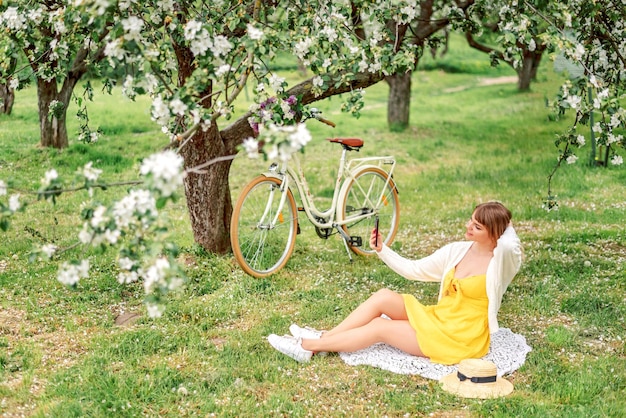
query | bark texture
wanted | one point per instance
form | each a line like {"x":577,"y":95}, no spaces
{"x":399,"y":103}
{"x":7,"y":98}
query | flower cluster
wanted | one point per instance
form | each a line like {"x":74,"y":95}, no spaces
{"x":163,"y":172}
{"x":133,"y":224}
{"x":274,"y":111}
{"x":278,"y":142}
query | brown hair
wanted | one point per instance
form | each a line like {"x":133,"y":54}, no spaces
{"x":494,"y":216}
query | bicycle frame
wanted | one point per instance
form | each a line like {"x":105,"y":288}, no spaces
{"x":287,"y":173}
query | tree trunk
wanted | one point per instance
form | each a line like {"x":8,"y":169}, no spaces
{"x":53,"y":129}
{"x":528,"y":72}
{"x":399,"y":103}
{"x":208,"y":194}
{"x":536,"y":62}
{"x":7,"y":97}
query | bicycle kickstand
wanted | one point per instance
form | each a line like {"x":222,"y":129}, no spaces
{"x":345,"y":238}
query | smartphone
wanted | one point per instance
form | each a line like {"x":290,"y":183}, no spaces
{"x":376,"y":229}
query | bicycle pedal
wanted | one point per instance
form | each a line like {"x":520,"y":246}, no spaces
{"x":356,"y":241}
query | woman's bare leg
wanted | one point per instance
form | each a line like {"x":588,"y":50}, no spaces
{"x":397,"y":333}
{"x":384,"y":301}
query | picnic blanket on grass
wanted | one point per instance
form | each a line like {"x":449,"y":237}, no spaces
{"x":507,"y":350}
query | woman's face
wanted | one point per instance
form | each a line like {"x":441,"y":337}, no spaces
{"x":475,"y":231}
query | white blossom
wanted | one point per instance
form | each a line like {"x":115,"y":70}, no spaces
{"x":573,"y":101}
{"x":178,"y":107}
{"x":132,"y":27}
{"x":69,"y":274}
{"x":614,"y":139}
{"x":571,"y":159}
{"x":597,"y":128}
{"x":254,"y":33}
{"x":191,"y":29}
{"x":114,"y":50}
{"x":14,"y":202}
{"x":154,"y":310}
{"x":36,"y":16}
{"x":90,"y":173}
{"x":99,"y":218}
{"x":125,"y":263}
{"x":85,"y":235}
{"x":48,"y":249}
{"x":330,"y":33}
{"x":111,"y":236}
{"x":165,"y":170}
{"x":160,"y":111}
{"x":318,"y":81}
{"x":127,"y":87}
{"x":302,"y":48}
{"x":617,"y":160}
{"x":597,"y":103}
{"x":578,"y":53}
{"x":222,"y":69}
{"x":56,"y":18}
{"x":580,"y":140}
{"x":126,"y":277}
{"x":221,"y":46}
{"x":49,"y":177}
{"x":276,"y":83}
{"x":251,"y":147}
{"x":13,"y":19}
{"x":603,"y":94}
{"x":155,"y":274}
{"x":300,"y":137}
{"x":137,"y":202}
{"x":615,"y":120}
{"x":200,"y":45}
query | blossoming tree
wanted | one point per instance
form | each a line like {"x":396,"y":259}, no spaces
{"x":489,"y":22}
{"x":194,"y":58}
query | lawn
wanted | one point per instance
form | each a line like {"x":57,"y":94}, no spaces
{"x":473,"y":137}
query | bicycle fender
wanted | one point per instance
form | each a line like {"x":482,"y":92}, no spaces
{"x":273,"y":175}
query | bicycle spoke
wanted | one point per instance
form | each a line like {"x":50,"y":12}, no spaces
{"x":370,"y":194}
{"x":263,"y":230}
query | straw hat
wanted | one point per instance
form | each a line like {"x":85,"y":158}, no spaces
{"x":476,"y":378}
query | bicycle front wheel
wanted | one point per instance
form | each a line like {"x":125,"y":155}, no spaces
{"x":262,"y":230}
{"x":372,"y":192}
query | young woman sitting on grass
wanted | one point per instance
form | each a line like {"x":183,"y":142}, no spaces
{"x":474,"y":275}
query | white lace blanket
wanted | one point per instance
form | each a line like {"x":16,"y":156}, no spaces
{"x":508,"y":351}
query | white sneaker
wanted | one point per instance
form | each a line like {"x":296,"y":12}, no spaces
{"x":306,"y":332}
{"x":291,"y":347}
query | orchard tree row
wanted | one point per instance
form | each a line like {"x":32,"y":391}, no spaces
{"x":194,"y":58}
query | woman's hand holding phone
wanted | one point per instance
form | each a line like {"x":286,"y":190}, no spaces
{"x":375,"y":238}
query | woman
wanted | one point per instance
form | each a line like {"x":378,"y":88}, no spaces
{"x":474,"y":275}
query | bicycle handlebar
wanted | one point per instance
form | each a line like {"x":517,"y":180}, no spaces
{"x":317,"y":114}
{"x":327,"y":122}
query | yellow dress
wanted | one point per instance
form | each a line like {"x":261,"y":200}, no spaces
{"x":457,"y":327}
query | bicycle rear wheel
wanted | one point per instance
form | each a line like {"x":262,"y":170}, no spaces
{"x":263,"y":234}
{"x":369,"y":192}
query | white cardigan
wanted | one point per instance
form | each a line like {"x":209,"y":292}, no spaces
{"x":506,"y":262}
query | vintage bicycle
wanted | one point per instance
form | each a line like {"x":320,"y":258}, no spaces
{"x":265,"y":221}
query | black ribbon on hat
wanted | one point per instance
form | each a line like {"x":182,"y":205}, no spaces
{"x":487,"y":379}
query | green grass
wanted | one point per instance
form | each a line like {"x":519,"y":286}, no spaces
{"x":61,"y":353}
